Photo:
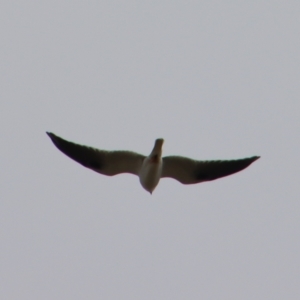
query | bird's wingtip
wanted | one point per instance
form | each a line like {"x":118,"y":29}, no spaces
{"x":254,"y":158}
{"x":51,"y":135}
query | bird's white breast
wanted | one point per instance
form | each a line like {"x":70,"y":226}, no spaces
{"x":150,"y":173}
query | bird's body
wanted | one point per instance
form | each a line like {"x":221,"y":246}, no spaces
{"x":151,"y":168}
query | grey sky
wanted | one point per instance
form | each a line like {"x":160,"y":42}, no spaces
{"x":216,"y":80}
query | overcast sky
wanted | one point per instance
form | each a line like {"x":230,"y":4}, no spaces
{"x":216,"y":80}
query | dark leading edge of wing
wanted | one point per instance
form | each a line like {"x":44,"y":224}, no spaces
{"x":86,"y":156}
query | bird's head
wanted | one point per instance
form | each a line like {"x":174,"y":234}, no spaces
{"x":157,"y":149}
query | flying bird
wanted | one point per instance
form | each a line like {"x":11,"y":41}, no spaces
{"x":152,"y":168}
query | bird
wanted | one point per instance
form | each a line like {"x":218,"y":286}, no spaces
{"x":150,"y":169}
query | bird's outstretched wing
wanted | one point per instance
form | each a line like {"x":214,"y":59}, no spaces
{"x":189,"y":171}
{"x":104,"y":162}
